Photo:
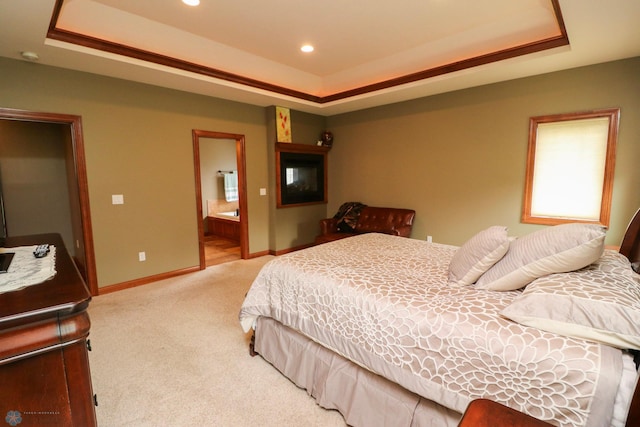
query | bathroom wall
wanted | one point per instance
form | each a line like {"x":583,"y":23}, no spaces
{"x":216,"y":154}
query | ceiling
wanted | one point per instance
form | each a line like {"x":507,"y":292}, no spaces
{"x":365,"y":56}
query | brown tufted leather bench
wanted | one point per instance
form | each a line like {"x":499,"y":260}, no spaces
{"x":394,"y":221}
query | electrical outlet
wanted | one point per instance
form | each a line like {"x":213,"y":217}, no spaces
{"x":142,"y":256}
{"x":117,"y":199}
{"x":429,"y":239}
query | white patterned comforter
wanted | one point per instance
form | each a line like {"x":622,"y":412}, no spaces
{"x":384,"y":303}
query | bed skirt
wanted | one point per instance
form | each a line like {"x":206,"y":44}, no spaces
{"x":362,"y":397}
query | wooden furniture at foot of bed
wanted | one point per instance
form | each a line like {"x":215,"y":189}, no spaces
{"x":487,"y":413}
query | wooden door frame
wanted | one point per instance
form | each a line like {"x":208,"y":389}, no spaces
{"x":241,"y":162}
{"x":75,"y":123}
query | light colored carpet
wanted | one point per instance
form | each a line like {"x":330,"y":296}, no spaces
{"x":173,"y":353}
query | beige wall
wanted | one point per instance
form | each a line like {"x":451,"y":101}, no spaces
{"x":35,"y":185}
{"x":297,"y":226}
{"x":458,"y":159}
{"x":138,"y":143}
{"x":215,"y":154}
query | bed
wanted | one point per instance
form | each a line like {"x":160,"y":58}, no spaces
{"x":393,"y":331}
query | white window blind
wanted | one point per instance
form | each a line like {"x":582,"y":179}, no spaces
{"x":569,"y":169}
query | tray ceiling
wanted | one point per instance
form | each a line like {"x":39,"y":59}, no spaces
{"x":365,"y":55}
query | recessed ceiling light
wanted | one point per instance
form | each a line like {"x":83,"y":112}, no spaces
{"x":30,"y":56}
{"x":307,"y":48}
{"x":191,"y":2}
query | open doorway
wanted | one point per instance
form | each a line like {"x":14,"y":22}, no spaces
{"x":63,"y":150}
{"x":217,"y":213}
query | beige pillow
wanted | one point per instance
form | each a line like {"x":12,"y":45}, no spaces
{"x":599,"y":303}
{"x":477,"y":255}
{"x":556,"y":249}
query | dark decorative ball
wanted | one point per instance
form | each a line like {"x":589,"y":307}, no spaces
{"x":327,"y":138}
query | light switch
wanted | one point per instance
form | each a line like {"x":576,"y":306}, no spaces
{"x":263,"y":191}
{"x":117,"y":199}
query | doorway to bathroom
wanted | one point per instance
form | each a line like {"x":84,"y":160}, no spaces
{"x":219,"y":161}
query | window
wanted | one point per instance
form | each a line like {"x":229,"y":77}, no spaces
{"x":570,"y":165}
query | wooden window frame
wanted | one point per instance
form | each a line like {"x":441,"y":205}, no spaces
{"x":613,"y":115}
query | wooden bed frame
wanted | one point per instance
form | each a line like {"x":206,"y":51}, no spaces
{"x":630,"y":247}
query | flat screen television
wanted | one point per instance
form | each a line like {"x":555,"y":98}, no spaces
{"x":302,"y":178}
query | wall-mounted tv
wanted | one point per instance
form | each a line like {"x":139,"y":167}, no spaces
{"x":301,"y":178}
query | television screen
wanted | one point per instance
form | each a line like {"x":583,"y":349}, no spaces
{"x":301,"y":178}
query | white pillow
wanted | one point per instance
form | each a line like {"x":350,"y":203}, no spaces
{"x":599,"y":303}
{"x":556,"y":249}
{"x":477,"y":255}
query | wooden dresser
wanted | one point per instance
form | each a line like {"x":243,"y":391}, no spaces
{"x":44,"y":365}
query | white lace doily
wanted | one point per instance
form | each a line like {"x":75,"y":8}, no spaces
{"x":27,"y":270}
